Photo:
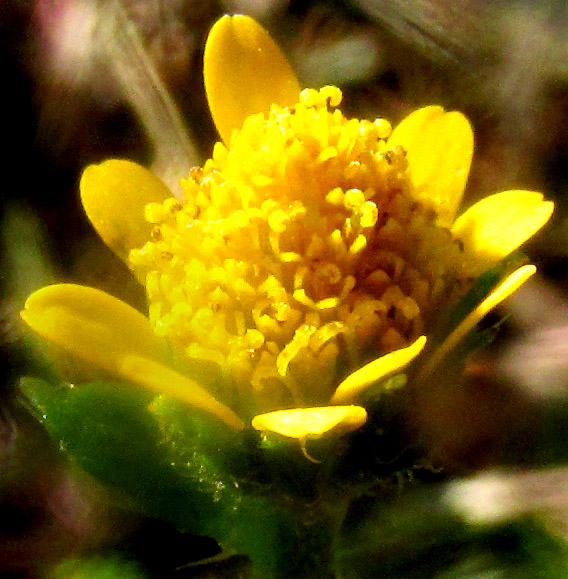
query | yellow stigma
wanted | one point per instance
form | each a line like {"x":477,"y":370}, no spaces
{"x":298,"y":255}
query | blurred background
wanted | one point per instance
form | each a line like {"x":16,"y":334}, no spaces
{"x":85,"y":80}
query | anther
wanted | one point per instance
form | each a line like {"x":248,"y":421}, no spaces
{"x":196,"y":173}
{"x":173,"y":205}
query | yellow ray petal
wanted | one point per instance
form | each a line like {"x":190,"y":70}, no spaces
{"x":507,"y":287}
{"x":114,"y":195}
{"x":91,"y":324}
{"x":499,"y":224}
{"x":376,"y":370}
{"x":244,"y":72}
{"x":302,"y":422}
{"x":108,"y":333}
{"x":164,"y":380}
{"x":439,"y":148}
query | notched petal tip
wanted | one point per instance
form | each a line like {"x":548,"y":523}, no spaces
{"x":497,"y":225}
{"x":245,"y":72}
{"x":300,"y":423}
{"x":376,"y":370}
{"x":439,"y":148}
{"x":114,"y":195}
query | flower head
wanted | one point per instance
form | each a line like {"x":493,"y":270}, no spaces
{"x":308,"y":258}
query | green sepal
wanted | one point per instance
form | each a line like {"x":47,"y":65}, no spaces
{"x":275,"y":482}
{"x":187,"y":433}
{"x":108,"y":429}
{"x":481,"y":288}
{"x":481,"y":335}
{"x":371,"y":396}
{"x":176,"y":465}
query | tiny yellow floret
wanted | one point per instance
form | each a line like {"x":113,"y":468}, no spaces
{"x":328,"y":259}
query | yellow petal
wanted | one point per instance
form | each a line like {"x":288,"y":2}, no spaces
{"x":110,"y":334}
{"x":245,"y":72}
{"x":114,"y":195}
{"x":376,"y":370}
{"x":506,"y":288}
{"x":439,"y":148}
{"x":164,"y":380}
{"x":499,"y":224}
{"x":91,"y":324}
{"x":302,"y":422}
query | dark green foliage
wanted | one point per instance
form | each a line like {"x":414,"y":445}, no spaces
{"x":109,"y":431}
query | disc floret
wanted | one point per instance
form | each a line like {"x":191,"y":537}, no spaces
{"x":298,"y":254}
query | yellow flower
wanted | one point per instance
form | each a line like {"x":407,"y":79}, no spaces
{"x":308,"y":259}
